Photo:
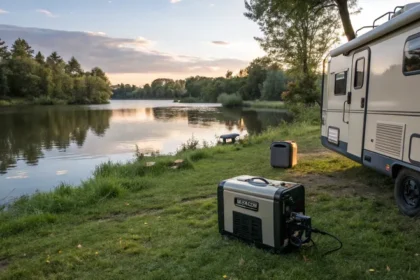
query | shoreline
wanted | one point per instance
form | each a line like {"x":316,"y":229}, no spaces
{"x":41,"y":102}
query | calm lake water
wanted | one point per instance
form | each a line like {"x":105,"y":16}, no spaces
{"x":40,"y":147}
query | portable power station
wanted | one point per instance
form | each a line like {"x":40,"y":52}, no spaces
{"x":283,"y":154}
{"x":264,"y":212}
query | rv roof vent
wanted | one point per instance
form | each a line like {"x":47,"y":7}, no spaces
{"x":405,"y":9}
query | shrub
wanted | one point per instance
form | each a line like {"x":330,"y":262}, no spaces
{"x":199,"y":154}
{"x":4,"y":103}
{"x":305,"y":113}
{"x":230,"y":100}
{"x":191,"y":144}
{"x":138,"y":154}
{"x":46,"y":100}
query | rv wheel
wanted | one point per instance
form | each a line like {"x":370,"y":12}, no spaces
{"x":407,"y":192}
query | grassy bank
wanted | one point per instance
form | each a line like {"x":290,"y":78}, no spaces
{"x":265,"y":104}
{"x":137,"y":222}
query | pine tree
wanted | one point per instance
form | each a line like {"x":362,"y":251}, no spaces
{"x":98,"y":72}
{"x":54,"y":59}
{"x":73,"y":67}
{"x":21,"y":49}
{"x":4,"y":52}
{"x":40,"y":58}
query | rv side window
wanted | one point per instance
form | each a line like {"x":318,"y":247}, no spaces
{"x":412,"y":55}
{"x":359,"y":76}
{"x":340,"y":83}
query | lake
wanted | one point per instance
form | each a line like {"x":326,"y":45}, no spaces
{"x":42,"y":146}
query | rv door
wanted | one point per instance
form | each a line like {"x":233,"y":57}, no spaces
{"x":357,"y":102}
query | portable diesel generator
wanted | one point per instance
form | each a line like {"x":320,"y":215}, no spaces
{"x":267,"y":213}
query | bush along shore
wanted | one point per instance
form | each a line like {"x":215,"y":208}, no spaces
{"x":150,"y":221}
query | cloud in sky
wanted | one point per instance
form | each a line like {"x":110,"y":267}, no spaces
{"x":99,"y":33}
{"x":175,"y":1}
{"x":46,"y":12}
{"x":122,"y":58}
{"x":3,"y":11}
{"x":222,"y":43}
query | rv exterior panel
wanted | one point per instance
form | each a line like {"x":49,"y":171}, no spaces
{"x":394,"y":24}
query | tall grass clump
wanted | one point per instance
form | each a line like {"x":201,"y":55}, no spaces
{"x":230,"y":100}
{"x":303,"y":113}
{"x":191,"y":145}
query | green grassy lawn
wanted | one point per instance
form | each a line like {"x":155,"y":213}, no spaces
{"x":137,"y":222}
{"x":265,"y":104}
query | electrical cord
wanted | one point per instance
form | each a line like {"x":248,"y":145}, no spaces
{"x":300,"y":225}
{"x":314,"y":230}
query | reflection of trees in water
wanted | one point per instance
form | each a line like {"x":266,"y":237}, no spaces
{"x":255,"y":121}
{"x":26,"y":134}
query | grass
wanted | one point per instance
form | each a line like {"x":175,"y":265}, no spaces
{"x":265,"y":104}
{"x":136,"y":222}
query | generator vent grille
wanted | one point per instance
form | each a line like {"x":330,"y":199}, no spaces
{"x":389,"y":139}
{"x":247,"y":227}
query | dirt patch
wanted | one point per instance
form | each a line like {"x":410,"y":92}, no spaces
{"x":341,"y":186}
{"x":317,"y":153}
{"x":3,"y":264}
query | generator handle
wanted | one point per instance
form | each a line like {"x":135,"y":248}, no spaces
{"x":258,"y":178}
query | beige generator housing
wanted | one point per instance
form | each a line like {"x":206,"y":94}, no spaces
{"x":371,"y":102}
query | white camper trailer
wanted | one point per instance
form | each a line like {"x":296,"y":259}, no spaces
{"x":371,"y":102}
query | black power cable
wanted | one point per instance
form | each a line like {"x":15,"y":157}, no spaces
{"x":314,"y":230}
{"x":300,"y":225}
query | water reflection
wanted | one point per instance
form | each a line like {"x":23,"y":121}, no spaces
{"x":27,"y":135}
{"x":42,"y":146}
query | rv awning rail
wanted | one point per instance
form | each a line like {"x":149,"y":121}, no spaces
{"x":399,"y":21}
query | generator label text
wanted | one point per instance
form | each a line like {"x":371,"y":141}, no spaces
{"x":247,"y":204}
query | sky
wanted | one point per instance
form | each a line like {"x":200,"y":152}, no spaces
{"x":137,"y":41}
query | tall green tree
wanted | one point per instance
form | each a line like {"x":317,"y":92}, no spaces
{"x":40,"y":58}
{"x":298,"y":36}
{"x":4,"y":86}
{"x":73,"y":67}
{"x":274,"y":85}
{"x":46,"y":83}
{"x":54,"y":60}
{"x":344,"y":9}
{"x":294,"y":33}
{"x":98,"y":72}
{"x":229,"y":74}
{"x":257,"y":73}
{"x":4,"y":52}
{"x":21,"y":49}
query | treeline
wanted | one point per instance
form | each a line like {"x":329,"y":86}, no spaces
{"x":262,"y":79}
{"x":48,"y":80}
